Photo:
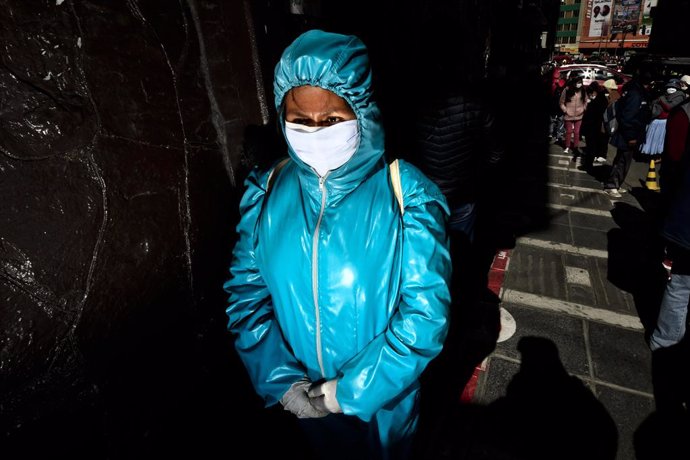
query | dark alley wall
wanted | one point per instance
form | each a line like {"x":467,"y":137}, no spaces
{"x":121,"y":130}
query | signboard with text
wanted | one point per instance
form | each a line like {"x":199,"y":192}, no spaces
{"x":600,"y":17}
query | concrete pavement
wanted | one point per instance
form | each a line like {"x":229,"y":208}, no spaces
{"x":575,"y":378}
{"x":574,"y":286}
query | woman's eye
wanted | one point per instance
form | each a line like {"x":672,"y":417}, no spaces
{"x":333,"y":120}
{"x":303,"y":121}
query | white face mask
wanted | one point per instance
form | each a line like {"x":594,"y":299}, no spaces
{"x":324,"y":148}
{"x":578,"y":85}
{"x":671,"y":90}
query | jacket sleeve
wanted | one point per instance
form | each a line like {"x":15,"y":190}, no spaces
{"x":259,"y":340}
{"x":394,"y":360}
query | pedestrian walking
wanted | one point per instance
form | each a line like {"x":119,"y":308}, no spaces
{"x":593,"y":127}
{"x":632,"y":114}
{"x":573,"y":103}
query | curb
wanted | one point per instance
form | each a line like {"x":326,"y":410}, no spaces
{"x":497,"y":273}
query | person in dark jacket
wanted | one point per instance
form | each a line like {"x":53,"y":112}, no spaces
{"x":633,"y":114}
{"x":456,"y":147}
{"x":457,"y":144}
{"x":592,"y":125}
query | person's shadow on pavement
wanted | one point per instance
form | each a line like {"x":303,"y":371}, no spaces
{"x":545,"y":414}
{"x":664,"y":433}
{"x":635,"y":252}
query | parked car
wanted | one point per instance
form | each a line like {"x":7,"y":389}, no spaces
{"x":589,"y":73}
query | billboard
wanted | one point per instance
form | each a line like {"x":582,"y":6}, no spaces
{"x":626,"y":15}
{"x":600,"y":13}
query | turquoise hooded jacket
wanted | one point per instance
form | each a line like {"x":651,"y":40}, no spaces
{"x":329,"y":279}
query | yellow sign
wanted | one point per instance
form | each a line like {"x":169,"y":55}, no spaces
{"x":572,"y":49}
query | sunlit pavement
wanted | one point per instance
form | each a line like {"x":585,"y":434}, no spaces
{"x":576,"y":291}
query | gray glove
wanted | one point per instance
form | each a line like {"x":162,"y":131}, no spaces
{"x":322,"y":397}
{"x":298,"y":402}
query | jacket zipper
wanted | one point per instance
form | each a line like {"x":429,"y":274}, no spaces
{"x":315,"y":271}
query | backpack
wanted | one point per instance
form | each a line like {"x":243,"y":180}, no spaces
{"x":610,"y":121}
{"x":393,"y":169}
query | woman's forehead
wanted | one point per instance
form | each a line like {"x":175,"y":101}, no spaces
{"x":314,"y":99}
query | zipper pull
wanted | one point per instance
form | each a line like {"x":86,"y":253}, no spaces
{"x":322,"y":180}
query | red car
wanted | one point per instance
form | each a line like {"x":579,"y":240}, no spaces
{"x":589,"y":73}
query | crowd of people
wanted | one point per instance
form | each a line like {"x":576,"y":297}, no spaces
{"x":341,"y":336}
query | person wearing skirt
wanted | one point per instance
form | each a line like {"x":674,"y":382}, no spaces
{"x":654,"y":141}
{"x":653,"y":146}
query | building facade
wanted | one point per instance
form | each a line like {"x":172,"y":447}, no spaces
{"x":604,"y":26}
{"x":567,"y":29}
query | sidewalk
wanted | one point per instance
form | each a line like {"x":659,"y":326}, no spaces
{"x":575,"y":379}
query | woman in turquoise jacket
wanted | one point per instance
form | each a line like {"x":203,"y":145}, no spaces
{"x":339,"y":283}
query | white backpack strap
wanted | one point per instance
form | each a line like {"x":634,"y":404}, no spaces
{"x":394,"y":168}
{"x":274,"y":173}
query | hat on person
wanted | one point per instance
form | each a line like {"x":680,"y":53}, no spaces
{"x":674,"y":83}
{"x":610,"y":84}
{"x":685,"y":79}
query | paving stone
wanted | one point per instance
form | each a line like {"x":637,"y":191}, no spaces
{"x":537,"y":271}
{"x":620,"y":356}
{"x":559,"y":217}
{"x":595,"y":200}
{"x":575,"y":260}
{"x":585,"y":180}
{"x":593,"y":239}
{"x":564,"y":331}
{"x":557,"y":233}
{"x":580,"y":294}
{"x":591,"y":222}
{"x":496,"y":378}
{"x":607,"y":295}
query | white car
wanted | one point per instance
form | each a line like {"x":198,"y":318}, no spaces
{"x":589,"y":73}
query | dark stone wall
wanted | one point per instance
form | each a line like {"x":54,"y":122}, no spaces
{"x":121,"y":160}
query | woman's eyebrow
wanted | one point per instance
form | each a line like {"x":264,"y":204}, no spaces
{"x":300,"y":113}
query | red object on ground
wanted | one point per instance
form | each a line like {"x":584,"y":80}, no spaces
{"x":496,"y":276}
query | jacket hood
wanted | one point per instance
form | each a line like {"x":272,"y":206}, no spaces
{"x":672,"y":100}
{"x":338,"y":63}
